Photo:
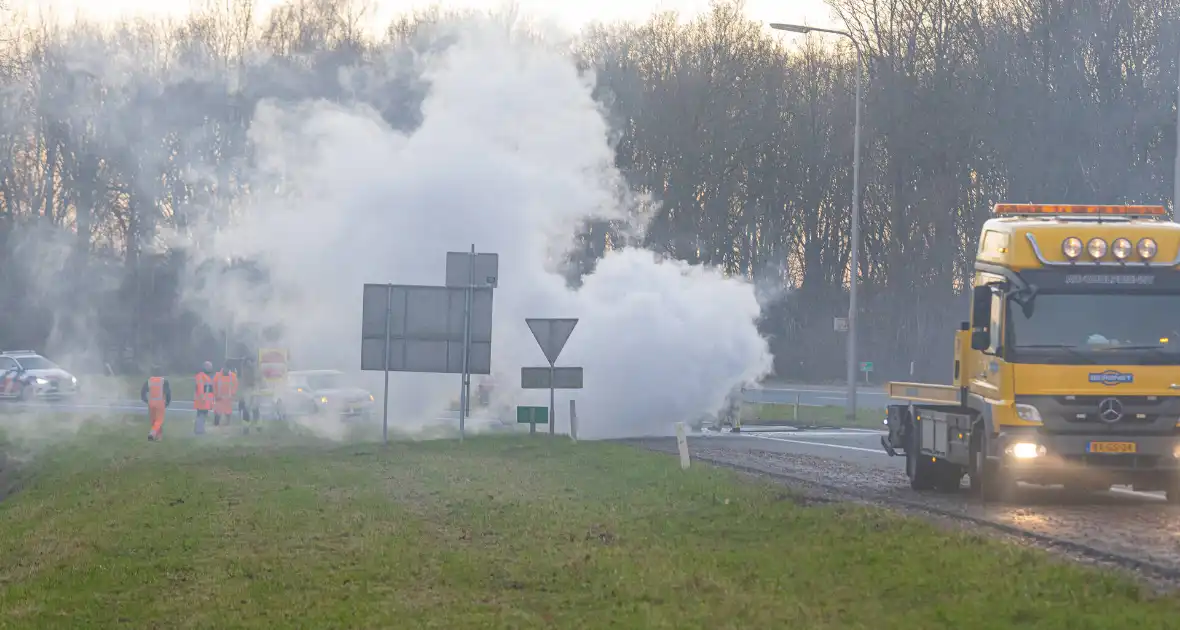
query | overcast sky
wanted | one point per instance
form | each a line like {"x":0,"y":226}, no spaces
{"x":570,"y":13}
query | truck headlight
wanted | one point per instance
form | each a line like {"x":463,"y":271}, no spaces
{"x":1071,"y":247}
{"x":1025,"y":450}
{"x":1096,"y":247}
{"x":1146,"y":248}
{"x":1028,"y":413}
{"x":1121,"y":248}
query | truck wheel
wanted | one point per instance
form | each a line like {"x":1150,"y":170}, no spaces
{"x":923,"y":472}
{"x":989,"y":480}
{"x":950,"y":477}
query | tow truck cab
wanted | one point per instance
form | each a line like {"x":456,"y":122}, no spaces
{"x":1068,"y":371}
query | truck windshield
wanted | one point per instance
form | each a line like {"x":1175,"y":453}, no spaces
{"x":1138,"y":329}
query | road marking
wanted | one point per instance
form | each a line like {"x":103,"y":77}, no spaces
{"x":805,"y":442}
{"x":810,"y":434}
{"x":1139,"y":493}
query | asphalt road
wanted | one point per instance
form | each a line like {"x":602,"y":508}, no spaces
{"x":871,"y":396}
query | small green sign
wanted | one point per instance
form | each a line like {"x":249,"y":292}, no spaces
{"x":867,"y":366}
{"x":532,"y":415}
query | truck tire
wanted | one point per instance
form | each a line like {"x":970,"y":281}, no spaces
{"x":950,"y":476}
{"x":990,"y":481}
{"x":922,"y":471}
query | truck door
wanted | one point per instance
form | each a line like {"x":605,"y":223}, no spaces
{"x":986,"y":375}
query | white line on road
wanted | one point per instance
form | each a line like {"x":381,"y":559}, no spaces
{"x":805,"y":442}
{"x":810,"y":434}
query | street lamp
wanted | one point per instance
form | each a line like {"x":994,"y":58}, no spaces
{"x":855,"y":264}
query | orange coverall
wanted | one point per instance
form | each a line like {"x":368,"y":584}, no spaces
{"x":225,"y":384}
{"x":157,"y":393}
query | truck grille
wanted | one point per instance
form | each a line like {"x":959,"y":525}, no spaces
{"x":1137,"y":410}
{"x":1120,"y":460}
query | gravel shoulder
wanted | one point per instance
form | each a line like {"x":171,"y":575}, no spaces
{"x":1129,"y":531}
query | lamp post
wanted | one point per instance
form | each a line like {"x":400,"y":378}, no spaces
{"x":854,"y":267}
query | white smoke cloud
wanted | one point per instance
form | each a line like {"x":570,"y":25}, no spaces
{"x":512,"y":155}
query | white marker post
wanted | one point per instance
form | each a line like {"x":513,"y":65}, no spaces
{"x":682,"y":444}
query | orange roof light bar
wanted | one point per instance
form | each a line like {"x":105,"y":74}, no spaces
{"x":1026,"y":209}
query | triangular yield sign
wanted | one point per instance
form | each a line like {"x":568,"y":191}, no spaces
{"x":551,"y":335}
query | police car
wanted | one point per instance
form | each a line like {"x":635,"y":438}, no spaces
{"x":26,"y":375}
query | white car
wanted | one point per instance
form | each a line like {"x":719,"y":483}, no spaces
{"x":26,"y":375}
{"x":310,"y":392}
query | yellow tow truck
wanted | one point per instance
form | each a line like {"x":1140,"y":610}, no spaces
{"x":1068,"y":372}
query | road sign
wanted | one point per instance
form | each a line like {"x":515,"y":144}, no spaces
{"x":532,"y":416}
{"x":551,"y":335}
{"x":425,"y":327}
{"x":866,"y":366}
{"x":479,"y":270}
{"x":840,"y":324}
{"x":563,"y":377}
{"x":442,"y":330}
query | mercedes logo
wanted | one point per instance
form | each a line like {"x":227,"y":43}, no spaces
{"x":1110,"y":410}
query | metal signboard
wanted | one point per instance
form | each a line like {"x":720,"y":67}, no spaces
{"x":424,"y":326}
{"x":562,"y":378}
{"x":551,"y":335}
{"x":466,"y":269}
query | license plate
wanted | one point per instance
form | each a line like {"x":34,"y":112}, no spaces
{"x":1112,"y":447}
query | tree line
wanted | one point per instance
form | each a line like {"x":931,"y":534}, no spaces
{"x":744,"y":136}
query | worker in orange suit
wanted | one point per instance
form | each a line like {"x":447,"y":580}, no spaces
{"x":225,"y":384}
{"x":157,"y":393}
{"x":203,"y":397}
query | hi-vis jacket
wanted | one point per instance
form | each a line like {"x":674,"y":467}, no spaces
{"x":204,"y":396}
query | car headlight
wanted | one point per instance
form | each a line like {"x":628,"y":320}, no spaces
{"x":42,"y":381}
{"x":1028,"y":413}
{"x":371,"y":399}
{"x":74,"y":380}
{"x":323,"y":399}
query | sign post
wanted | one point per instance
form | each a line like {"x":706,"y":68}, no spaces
{"x":867,"y":368}
{"x":551,"y":334}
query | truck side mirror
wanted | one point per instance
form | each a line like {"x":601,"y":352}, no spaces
{"x":981,"y":312}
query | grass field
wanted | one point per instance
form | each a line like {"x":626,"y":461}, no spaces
{"x":754,"y":414}
{"x":269,"y":532}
